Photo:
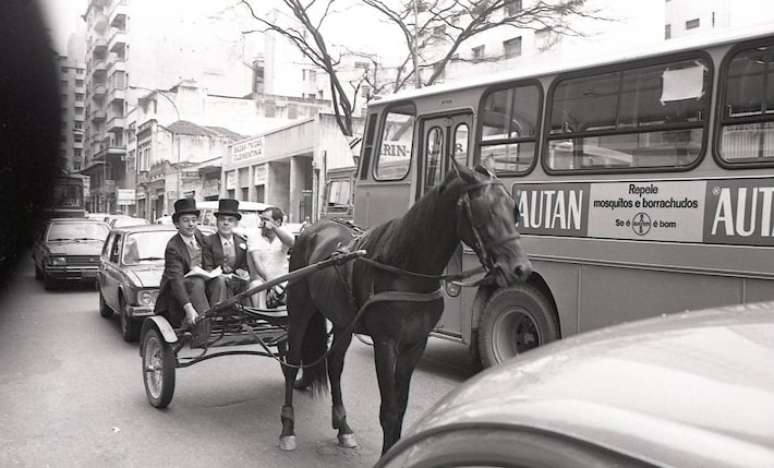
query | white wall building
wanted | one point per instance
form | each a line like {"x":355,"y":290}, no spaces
{"x":688,"y":17}
{"x":72,"y":74}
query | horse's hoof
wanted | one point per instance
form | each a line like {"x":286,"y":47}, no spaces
{"x":347,"y":441}
{"x":287,"y":443}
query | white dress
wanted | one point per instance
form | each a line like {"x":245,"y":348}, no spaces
{"x":273,"y":257}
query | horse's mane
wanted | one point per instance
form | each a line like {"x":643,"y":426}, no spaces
{"x":396,"y":241}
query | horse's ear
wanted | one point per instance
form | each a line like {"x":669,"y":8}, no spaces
{"x":463,"y":172}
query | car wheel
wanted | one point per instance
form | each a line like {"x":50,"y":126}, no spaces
{"x":48,"y":282}
{"x":130,"y":328}
{"x":514,"y":321}
{"x":158,"y":369}
{"x":104,"y":309}
{"x":38,"y":273}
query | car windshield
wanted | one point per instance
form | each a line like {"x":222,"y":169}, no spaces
{"x":77,"y":232}
{"x":146,"y":247}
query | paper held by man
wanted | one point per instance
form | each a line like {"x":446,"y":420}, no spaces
{"x":201,"y":272}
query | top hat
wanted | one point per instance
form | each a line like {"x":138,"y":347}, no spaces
{"x":184,"y":206}
{"x":228,"y":207}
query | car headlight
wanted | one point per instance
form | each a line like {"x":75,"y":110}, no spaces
{"x":147,"y":298}
{"x":57,"y":261}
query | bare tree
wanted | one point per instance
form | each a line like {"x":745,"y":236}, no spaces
{"x":303,"y":30}
{"x":452,"y":22}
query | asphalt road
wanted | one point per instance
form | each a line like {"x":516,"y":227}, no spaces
{"x":71,"y":394}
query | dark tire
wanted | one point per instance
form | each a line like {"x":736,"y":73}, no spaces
{"x":104,"y":310}
{"x":130,"y":328}
{"x":49,"y":283}
{"x":514,"y":321}
{"x":38,"y":273}
{"x":158,"y":369}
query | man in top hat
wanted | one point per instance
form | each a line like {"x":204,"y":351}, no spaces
{"x":182,"y":299}
{"x":229,"y":249}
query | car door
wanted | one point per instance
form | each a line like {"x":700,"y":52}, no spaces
{"x":444,"y":138}
{"x":108,"y":270}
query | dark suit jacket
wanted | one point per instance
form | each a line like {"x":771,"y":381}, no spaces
{"x":177,"y":262}
{"x":216,"y":257}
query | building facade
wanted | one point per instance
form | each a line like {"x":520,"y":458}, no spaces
{"x":686,"y":17}
{"x":286,"y":167}
{"x":72,"y":79}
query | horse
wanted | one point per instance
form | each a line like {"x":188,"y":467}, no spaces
{"x":393,"y":293}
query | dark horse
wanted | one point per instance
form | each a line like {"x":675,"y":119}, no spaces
{"x":469,"y":206}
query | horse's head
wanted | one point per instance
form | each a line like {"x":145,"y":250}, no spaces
{"x":486,"y":222}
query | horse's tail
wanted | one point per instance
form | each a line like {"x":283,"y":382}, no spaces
{"x":313,"y":348}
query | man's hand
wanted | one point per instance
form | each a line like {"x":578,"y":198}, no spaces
{"x":191,"y":316}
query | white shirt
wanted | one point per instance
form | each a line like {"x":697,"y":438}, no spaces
{"x":272,"y":255}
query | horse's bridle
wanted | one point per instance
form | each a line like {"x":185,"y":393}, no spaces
{"x":480,"y":247}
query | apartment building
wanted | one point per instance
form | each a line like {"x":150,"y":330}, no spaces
{"x":687,"y":17}
{"x":72,"y":74}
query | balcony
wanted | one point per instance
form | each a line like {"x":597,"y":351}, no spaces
{"x":100,"y":21}
{"x":98,"y":116}
{"x":117,"y":41}
{"x":98,"y":90}
{"x":116,"y":63}
{"x":116,"y":123}
{"x":118,"y":14}
{"x":99,"y":46}
{"x":116,"y":94}
{"x":100,"y":65}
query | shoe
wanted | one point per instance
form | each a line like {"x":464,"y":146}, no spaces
{"x":200,"y":333}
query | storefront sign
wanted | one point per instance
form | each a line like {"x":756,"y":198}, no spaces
{"x":248,"y":150}
{"x":710,"y":211}
{"x":259,"y":174}
{"x":231,"y":180}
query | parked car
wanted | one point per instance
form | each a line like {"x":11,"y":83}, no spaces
{"x":692,"y":389}
{"x":97,"y":216}
{"x":68,"y":250}
{"x":130,"y":270}
{"x":250,"y":212}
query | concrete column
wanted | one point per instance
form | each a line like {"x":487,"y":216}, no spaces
{"x":251,"y":184}
{"x":296,"y":186}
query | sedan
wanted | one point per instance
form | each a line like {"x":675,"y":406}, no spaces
{"x":68,"y":250}
{"x":130,"y":270}
{"x":694,"y":389}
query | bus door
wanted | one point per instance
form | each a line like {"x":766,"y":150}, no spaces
{"x":444,"y":138}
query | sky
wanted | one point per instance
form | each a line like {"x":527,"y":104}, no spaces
{"x":63,"y":18}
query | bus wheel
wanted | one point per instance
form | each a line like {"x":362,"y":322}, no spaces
{"x":514,"y":321}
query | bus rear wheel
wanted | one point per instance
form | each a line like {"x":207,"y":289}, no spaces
{"x":514,"y":321}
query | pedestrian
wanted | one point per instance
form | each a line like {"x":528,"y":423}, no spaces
{"x":269,"y":252}
{"x":229,"y":249}
{"x":182,"y":299}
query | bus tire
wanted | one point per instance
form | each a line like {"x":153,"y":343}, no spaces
{"x":515,"y":320}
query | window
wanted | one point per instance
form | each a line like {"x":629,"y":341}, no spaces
{"x":78,"y":110}
{"x":649,"y":116}
{"x":692,"y":24}
{"x":77,"y":152}
{"x":78,"y":83}
{"x":78,"y":137}
{"x":363,"y":65}
{"x":433,"y":158}
{"x":394,"y":157}
{"x":78,"y":125}
{"x":512,"y":8}
{"x":461,"y":144}
{"x":512,"y":47}
{"x":668,"y":31}
{"x":478,"y":52}
{"x":509,"y":128}
{"x":79,"y":97}
{"x":63,"y":69}
{"x":309,"y":75}
{"x":79,"y":71}
{"x":747,"y":118}
{"x":368,"y":145}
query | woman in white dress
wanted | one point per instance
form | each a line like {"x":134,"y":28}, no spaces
{"x":268,"y":252}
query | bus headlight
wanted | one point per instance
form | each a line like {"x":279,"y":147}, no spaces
{"x":57,"y":261}
{"x":147,"y":298}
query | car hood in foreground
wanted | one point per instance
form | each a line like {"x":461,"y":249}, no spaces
{"x":90,"y":247}
{"x":689,"y":389}
{"x":145,"y":276}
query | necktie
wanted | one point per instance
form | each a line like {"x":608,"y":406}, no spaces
{"x":228,"y":250}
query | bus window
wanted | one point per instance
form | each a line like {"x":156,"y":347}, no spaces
{"x":509,"y":127}
{"x":433,"y":157}
{"x":652,"y":116}
{"x":394,"y":157}
{"x":747,"y":118}
{"x":461,"y":143}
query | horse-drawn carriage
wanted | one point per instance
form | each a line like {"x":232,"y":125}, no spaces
{"x":227,"y":324}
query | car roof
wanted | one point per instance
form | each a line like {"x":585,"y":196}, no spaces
{"x":243,"y":206}
{"x":694,"y":386}
{"x":145,"y":227}
{"x":76,"y":220}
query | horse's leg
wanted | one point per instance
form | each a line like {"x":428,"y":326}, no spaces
{"x":341,"y":341}
{"x":298,"y":317}
{"x":385,"y":357}
{"x":407,"y":361}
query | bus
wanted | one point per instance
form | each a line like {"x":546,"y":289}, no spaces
{"x":67,"y":198}
{"x":645,"y":184}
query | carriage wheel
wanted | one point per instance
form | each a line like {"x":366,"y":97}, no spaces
{"x":514,"y":321}
{"x":158,"y":369}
